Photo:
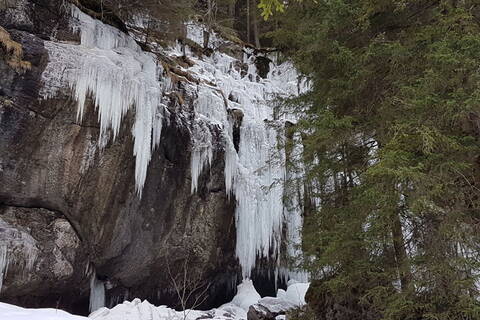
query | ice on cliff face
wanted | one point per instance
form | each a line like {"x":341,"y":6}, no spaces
{"x":17,"y":248}
{"x":110,"y":67}
{"x":254,"y":175}
{"x":97,"y":293}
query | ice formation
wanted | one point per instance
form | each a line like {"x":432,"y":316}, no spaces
{"x":202,"y":151}
{"x":97,"y":293}
{"x":246,"y":295}
{"x":255,"y":174}
{"x":296,"y":292}
{"x":109,"y":66}
{"x":3,"y":264}
{"x":17,"y":248}
{"x":294,"y":219}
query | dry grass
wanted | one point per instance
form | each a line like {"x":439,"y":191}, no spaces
{"x":13,"y":52}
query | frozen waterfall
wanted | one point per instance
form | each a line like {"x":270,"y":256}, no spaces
{"x":254,"y":175}
{"x":110,"y":67}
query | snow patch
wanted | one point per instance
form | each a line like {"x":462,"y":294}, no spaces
{"x":11,"y":312}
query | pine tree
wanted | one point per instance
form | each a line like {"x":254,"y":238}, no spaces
{"x":391,"y":130}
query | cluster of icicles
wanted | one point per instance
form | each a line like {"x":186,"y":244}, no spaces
{"x":111,"y":67}
{"x":24,"y":245}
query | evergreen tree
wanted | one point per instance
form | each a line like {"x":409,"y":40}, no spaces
{"x":391,"y":130}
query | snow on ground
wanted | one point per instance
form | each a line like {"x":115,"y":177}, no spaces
{"x":11,"y":312}
{"x":143,"y":310}
{"x":296,"y":292}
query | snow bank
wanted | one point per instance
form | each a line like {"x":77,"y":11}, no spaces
{"x":246,"y":295}
{"x":296,"y":293}
{"x":135,"y":310}
{"x":11,"y":312}
{"x":143,"y":310}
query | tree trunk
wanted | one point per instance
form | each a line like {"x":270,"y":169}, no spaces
{"x":206,"y":38}
{"x":400,"y":252}
{"x":248,"y":21}
{"x":231,"y":9}
{"x":255,"y":27}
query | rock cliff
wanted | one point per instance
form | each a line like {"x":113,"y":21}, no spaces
{"x":76,"y":200}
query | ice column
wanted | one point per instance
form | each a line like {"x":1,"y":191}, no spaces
{"x":3,"y":264}
{"x":97,"y":293}
{"x":254,"y":175}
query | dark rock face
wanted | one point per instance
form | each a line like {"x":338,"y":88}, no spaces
{"x":44,"y":256}
{"x":263,"y":65}
{"x":76,"y":203}
{"x":269,"y":308}
{"x":259,"y":312}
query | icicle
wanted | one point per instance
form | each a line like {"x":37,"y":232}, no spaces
{"x":97,"y":293}
{"x":3,"y":264}
{"x":110,"y":66}
{"x":202,"y":151}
